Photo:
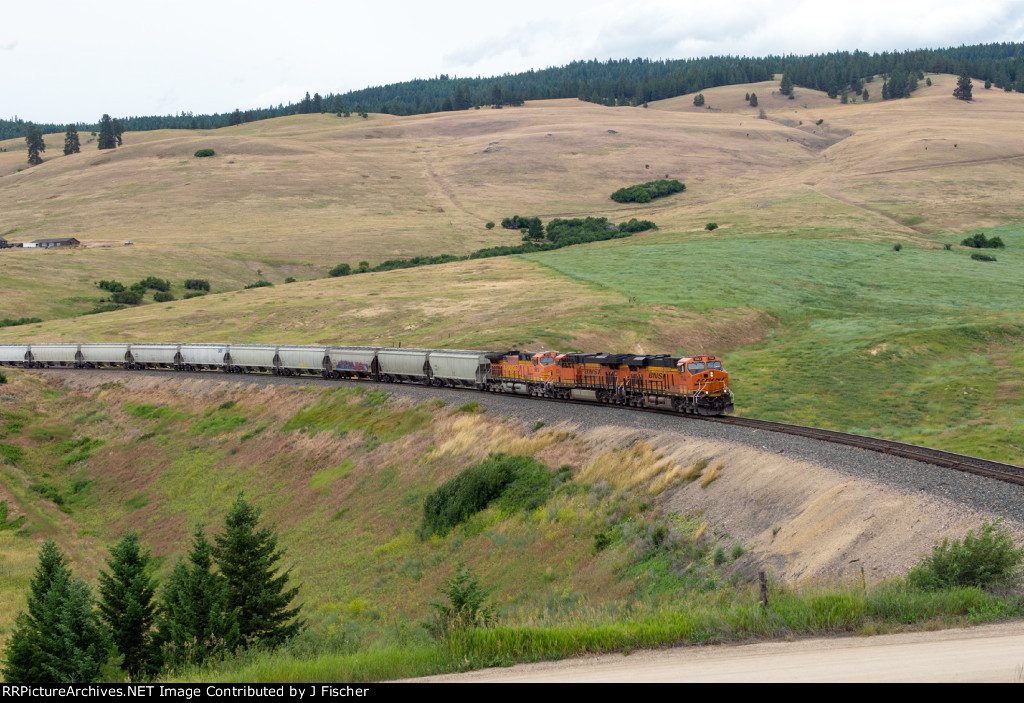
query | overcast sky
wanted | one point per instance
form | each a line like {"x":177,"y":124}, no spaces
{"x":62,"y":61}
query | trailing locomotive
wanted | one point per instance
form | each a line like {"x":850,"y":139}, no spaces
{"x":688,"y":384}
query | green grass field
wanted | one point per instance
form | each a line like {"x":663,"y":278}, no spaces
{"x":921,"y":344}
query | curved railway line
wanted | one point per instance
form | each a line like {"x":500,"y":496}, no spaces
{"x":1007,"y":473}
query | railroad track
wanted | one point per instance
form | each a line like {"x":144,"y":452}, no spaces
{"x":1008,"y":473}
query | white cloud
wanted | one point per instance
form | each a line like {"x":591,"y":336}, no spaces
{"x":136,"y":59}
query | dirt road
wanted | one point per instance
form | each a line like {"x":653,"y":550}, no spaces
{"x":987,"y":654}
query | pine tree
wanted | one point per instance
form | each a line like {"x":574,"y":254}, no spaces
{"x":60,"y":638}
{"x":753,"y":100}
{"x":786,"y":85}
{"x":107,"y":139}
{"x":462,"y":99}
{"x":195,"y":621}
{"x":36,"y":145}
{"x":24,"y":657}
{"x":71,"y":145}
{"x":73,"y":644}
{"x":964,"y":87}
{"x":118,"y":131}
{"x":246,"y":558}
{"x":127,"y":605}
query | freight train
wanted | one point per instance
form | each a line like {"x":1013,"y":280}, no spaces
{"x":686,"y":384}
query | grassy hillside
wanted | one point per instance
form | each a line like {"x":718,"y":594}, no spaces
{"x":346,"y":470}
{"x":586,"y":554}
{"x":800,"y":289}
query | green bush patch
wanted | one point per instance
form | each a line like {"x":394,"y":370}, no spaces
{"x":202,"y":153}
{"x":515,"y":482}
{"x":980,"y":241}
{"x":11,"y":454}
{"x":985,"y":560}
{"x":646,"y":192}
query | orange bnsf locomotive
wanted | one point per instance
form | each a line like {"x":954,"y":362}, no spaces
{"x":689,"y":384}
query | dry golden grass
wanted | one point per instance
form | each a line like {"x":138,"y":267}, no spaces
{"x":473,"y":304}
{"x":639,"y":466}
{"x":712,"y":473}
{"x":295,"y":195}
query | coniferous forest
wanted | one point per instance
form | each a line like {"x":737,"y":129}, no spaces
{"x":617,"y":82}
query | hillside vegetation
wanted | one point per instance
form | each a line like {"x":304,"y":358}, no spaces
{"x":801,"y":289}
{"x":571,"y":538}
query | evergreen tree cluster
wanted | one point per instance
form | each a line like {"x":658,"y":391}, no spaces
{"x":615,"y":82}
{"x":228,"y":595}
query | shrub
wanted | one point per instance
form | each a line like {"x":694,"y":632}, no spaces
{"x":489,"y":225}
{"x":519,"y":481}
{"x":982,"y":257}
{"x":163,"y":297}
{"x":194,"y":294}
{"x":127,"y":297}
{"x":646,"y":192}
{"x":340,"y":270}
{"x":466,"y":607}
{"x":988,"y":559}
{"x":980,"y":241}
{"x":197,"y":284}
{"x":897,"y":247}
{"x":947,"y":246}
{"x":262,"y":283}
{"x":204,"y":152}
{"x":636,"y":225}
{"x":711,"y":226}
{"x":12,"y":322}
{"x":154,"y":283}
{"x":112,"y":286}
{"x":289,"y":280}
{"x":3,"y":377}
{"x":104,"y":308}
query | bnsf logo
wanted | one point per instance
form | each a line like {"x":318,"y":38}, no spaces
{"x":656,"y":374}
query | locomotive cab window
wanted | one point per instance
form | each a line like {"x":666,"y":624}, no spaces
{"x":696,"y":367}
{"x":714,"y":364}
{"x":547,"y":361}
